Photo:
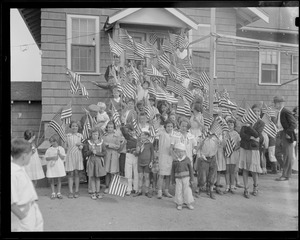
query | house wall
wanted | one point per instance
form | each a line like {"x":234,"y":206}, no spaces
{"x":26,"y":116}
{"x":55,"y":82}
{"x":247,"y":80}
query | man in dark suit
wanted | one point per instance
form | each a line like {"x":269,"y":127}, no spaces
{"x":286,"y":124}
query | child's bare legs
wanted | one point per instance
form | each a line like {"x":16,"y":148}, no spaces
{"x":70,"y":181}
{"x":227,"y":178}
{"x":76,"y":181}
{"x":147,"y":184}
{"x":52,"y":185}
{"x":245,"y":180}
{"x":159,"y":186}
{"x":93,"y":184}
{"x":107,"y":181}
{"x":58,"y":185}
{"x":155,"y":179}
{"x":34,"y":182}
{"x":231,"y":176}
{"x":255,"y":183}
{"x":218,"y":183}
{"x":98,"y":184}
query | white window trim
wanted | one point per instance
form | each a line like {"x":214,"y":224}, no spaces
{"x":97,"y":41}
{"x":292,"y":72}
{"x":278,"y":72}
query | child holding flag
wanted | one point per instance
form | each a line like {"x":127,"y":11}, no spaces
{"x":112,"y":143}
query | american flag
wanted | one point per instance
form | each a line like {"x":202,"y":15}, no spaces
{"x":249,"y":117}
{"x":74,"y":81}
{"x":152,"y":90}
{"x":115,"y":116}
{"x":226,"y":103}
{"x":160,"y":93}
{"x":153,"y":132}
{"x":114,"y":47}
{"x":268,"y":110}
{"x":200,"y":80}
{"x":135,"y":74}
{"x":242,"y":111}
{"x":189,"y":96}
{"x":139,"y":49}
{"x":125,"y":39}
{"x":164,"y":60}
{"x":205,"y":104}
{"x":66,"y":113}
{"x":216,"y":127}
{"x":56,"y":124}
{"x":152,"y":38}
{"x":129,"y":90}
{"x":183,"y":71}
{"x":186,"y":63}
{"x":155,"y":72}
{"x":167,"y":47}
{"x":170,"y":86}
{"x":182,"y":41}
{"x":224,"y":94}
{"x":136,"y":127}
{"x":226,"y":112}
{"x":82,"y":91}
{"x":171,"y":98}
{"x":118,"y":186}
{"x":179,"y":89}
{"x":150,"y":111}
{"x":183,"y":108}
{"x":270,"y":127}
{"x":86,"y":128}
{"x":230,"y":145}
{"x":207,"y":118}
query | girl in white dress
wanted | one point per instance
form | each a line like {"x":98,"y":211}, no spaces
{"x":55,"y":166}
{"x":74,"y":160}
{"x":34,"y":169}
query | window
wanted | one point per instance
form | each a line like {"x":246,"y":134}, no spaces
{"x":295,"y":64}
{"x":83,"y":44}
{"x":269,"y":67}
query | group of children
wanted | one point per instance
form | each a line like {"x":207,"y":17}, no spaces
{"x":177,"y":150}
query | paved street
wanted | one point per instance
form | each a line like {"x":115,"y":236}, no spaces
{"x":275,"y":208}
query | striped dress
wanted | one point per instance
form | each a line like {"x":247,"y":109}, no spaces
{"x":74,"y":160}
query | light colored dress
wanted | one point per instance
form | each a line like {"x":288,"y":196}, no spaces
{"x":34,"y":169}
{"x":74,"y":160}
{"x":111,"y":141}
{"x":102,"y":120}
{"x":55,"y":168}
{"x":165,"y":159}
{"x":235,"y":156}
{"x":220,"y":157}
{"x":196,"y":125}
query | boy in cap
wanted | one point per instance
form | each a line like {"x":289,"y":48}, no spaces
{"x":286,"y":125}
{"x":182,"y":176}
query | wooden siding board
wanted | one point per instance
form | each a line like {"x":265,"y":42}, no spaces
{"x":53,"y":23}
{"x":53,"y":31}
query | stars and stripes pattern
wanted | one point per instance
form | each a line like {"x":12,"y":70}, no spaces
{"x":249,"y":117}
{"x":230,"y":145}
{"x":226,"y":103}
{"x":216,"y":127}
{"x":115,"y":116}
{"x":150,"y":112}
{"x":268,"y":110}
{"x":160,"y":93}
{"x":114,"y":47}
{"x":154,"y":72}
{"x":207,"y":118}
{"x":118,"y":185}
{"x":171,"y":98}
{"x":86,"y":129}
{"x":139,"y":49}
{"x":129,"y":90}
{"x":82,"y":91}
{"x":136,"y":127}
{"x":74,"y":81}
{"x":270,"y":127}
{"x":242,"y":111}
{"x":205,"y":104}
{"x":183,"y":108}
{"x":66,"y":113}
{"x":56,"y":124}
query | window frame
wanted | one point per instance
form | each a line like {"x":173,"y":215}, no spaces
{"x":292,"y":66}
{"x":260,"y":68}
{"x":97,"y":42}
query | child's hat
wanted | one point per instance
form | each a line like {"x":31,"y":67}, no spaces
{"x":94,"y":107}
{"x":180,"y":146}
{"x":101,"y":104}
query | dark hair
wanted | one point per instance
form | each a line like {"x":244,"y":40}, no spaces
{"x":168,"y":122}
{"x":232,"y":121}
{"x":256,"y":106}
{"x":19,"y":146}
{"x":198,"y":107}
{"x":110,"y":123}
{"x":53,"y":138}
{"x":146,"y":133}
{"x":94,"y":129}
{"x":184,"y":119}
{"x":28,"y":134}
{"x":77,"y":122}
{"x":142,"y":114}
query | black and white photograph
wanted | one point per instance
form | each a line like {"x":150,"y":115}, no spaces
{"x":154,"y":119}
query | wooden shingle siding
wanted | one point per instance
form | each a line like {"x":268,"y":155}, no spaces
{"x":25,"y":116}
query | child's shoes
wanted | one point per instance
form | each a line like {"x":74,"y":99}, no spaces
{"x":93,"y":196}
{"x":59,"y":196}
{"x":167,"y":194}
{"x":137,"y":194}
{"x":148,"y":194}
{"x":106,"y":190}
{"x":189,"y":206}
{"x":53,"y":196}
{"x":98,"y":195}
{"x":179,"y":207}
{"x":227,"y":190}
{"x":159,"y":194}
